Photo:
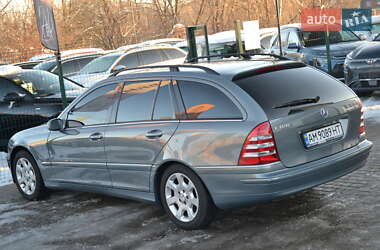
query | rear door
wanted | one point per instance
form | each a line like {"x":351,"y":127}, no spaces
{"x":337,"y":109}
{"x":140,"y":132}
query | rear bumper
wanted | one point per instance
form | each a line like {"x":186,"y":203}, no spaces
{"x":234,"y":186}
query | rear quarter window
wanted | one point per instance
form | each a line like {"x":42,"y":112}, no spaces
{"x":203,"y":101}
{"x":278,"y":87}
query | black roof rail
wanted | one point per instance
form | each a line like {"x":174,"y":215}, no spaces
{"x":246,"y":55}
{"x":171,"y":67}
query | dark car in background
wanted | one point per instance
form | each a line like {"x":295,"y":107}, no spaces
{"x":310,"y":47}
{"x":70,"y":65}
{"x":195,"y":137}
{"x":362,"y":68}
{"x":29,"y":98}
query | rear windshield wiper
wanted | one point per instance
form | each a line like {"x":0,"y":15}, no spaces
{"x":298,"y":102}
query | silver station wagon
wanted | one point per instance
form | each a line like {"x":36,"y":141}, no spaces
{"x":197,"y":137}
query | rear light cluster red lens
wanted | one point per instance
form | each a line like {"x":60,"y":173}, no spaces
{"x":362,"y":127}
{"x":259,"y":147}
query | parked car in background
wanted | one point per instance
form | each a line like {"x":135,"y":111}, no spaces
{"x":362,"y":68}
{"x":222,"y":43}
{"x":70,"y":65}
{"x":29,"y":98}
{"x":309,"y":47}
{"x":163,"y":41}
{"x":41,"y":57}
{"x":103,"y":66}
{"x":27,"y":65}
{"x":221,"y":134}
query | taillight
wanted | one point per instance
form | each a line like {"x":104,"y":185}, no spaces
{"x":259,"y":147}
{"x":362,"y":127}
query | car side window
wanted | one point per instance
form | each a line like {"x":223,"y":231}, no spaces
{"x":83,"y":62}
{"x":163,"y":107}
{"x":150,"y":56}
{"x":130,"y":61}
{"x":68,"y":67}
{"x":96,"y":107}
{"x":136,"y":102}
{"x":7,"y":87}
{"x":284,"y":39}
{"x":293,"y":38}
{"x":173,"y":53}
{"x":203,"y":101}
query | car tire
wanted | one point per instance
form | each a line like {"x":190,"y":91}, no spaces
{"x":27,"y":176}
{"x":185,"y":199}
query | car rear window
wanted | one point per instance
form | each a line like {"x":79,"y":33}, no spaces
{"x":282,"y":86}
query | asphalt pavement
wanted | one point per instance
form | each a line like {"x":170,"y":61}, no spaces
{"x":344,"y":214}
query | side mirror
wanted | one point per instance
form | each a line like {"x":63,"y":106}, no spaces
{"x":55,"y":124}
{"x":14,"y":97}
{"x":293,"y":46}
{"x":118,"y":68}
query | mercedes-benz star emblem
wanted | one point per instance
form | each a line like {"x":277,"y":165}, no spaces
{"x":324,"y":113}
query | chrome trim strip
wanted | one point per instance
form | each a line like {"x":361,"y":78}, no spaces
{"x":129,"y":167}
{"x":78,"y":163}
{"x":130,"y":123}
{"x":158,"y":121}
{"x":213,"y":120}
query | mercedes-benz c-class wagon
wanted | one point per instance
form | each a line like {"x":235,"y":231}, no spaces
{"x":197,"y":137}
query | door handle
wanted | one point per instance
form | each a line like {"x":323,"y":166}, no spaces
{"x":96,"y":136}
{"x":156,"y":133}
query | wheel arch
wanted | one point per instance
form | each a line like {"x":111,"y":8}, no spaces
{"x":12,"y":156}
{"x":161,"y":169}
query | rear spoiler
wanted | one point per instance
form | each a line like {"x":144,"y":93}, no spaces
{"x":266,"y":69}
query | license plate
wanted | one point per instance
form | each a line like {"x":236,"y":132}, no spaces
{"x":372,"y":83}
{"x":323,"y":135}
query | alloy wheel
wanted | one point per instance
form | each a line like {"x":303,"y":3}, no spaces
{"x":182,"y":197}
{"x":25,"y":175}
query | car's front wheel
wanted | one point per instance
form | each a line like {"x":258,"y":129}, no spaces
{"x":27,"y":176}
{"x":185,"y":198}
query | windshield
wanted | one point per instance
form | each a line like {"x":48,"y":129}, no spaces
{"x":100,"y":64}
{"x":41,"y":83}
{"x":317,"y":38}
{"x":47,"y":66}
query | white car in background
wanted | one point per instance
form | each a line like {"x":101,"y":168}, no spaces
{"x":225,"y":42}
{"x":101,"y":67}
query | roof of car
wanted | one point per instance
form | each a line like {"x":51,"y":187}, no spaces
{"x":232,"y":67}
{"x":228,"y":68}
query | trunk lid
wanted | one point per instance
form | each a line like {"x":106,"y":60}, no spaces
{"x":337,"y":105}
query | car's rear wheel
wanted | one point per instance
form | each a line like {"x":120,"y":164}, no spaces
{"x":185,"y":198}
{"x":27,"y":176}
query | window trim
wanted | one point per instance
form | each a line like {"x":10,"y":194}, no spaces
{"x":172,"y":100}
